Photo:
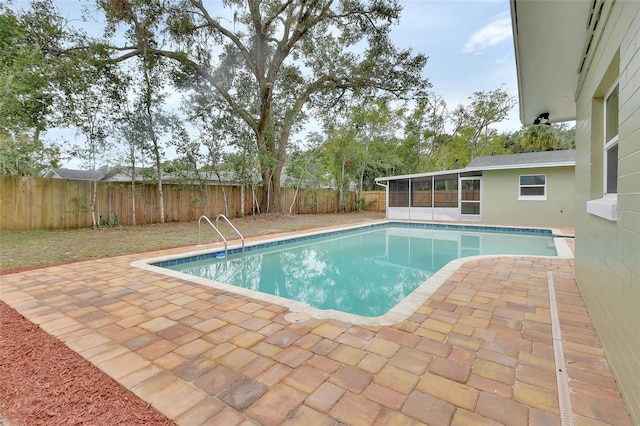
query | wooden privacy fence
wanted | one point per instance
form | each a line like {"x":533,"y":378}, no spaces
{"x":28,"y":203}
{"x":375,"y":201}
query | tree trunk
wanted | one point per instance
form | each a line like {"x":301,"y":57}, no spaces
{"x":133,"y":202}
{"x":224,"y":194}
{"x":94,"y":194}
{"x":295,"y":196}
{"x":242,"y":200}
{"x":255,"y":204}
{"x":133,"y":186}
{"x":204,"y":189}
{"x":341,"y":207}
{"x":94,"y":190}
{"x":272,"y":193}
{"x":156,"y":154}
{"x":276,"y":189}
{"x":160,"y":191}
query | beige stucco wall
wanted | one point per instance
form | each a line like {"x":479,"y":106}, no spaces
{"x":500,"y":204}
{"x":607,"y":263}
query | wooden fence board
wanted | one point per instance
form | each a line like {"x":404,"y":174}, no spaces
{"x":28,"y":203}
{"x":375,"y":201}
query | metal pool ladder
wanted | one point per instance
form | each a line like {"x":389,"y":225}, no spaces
{"x":215,"y":228}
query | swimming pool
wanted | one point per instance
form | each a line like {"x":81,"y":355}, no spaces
{"x":363,"y":271}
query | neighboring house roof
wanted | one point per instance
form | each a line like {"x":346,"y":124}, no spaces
{"x":549,"y":39}
{"x":525,"y":160}
{"x":123,"y":174}
{"x":71,"y":174}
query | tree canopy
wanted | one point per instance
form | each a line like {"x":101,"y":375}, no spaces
{"x":30,"y":79}
{"x":271,"y":62}
{"x":231,"y":85}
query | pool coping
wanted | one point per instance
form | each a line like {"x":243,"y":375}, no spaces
{"x":300,"y":311}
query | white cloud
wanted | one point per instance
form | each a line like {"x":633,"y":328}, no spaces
{"x":495,"y":32}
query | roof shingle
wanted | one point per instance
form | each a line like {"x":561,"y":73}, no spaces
{"x":527,"y":158}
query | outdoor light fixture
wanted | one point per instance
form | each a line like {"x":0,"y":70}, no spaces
{"x":543,"y":119}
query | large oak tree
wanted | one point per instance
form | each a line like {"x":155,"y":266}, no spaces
{"x":270,"y":61}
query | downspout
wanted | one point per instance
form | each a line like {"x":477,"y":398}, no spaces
{"x":386,"y":201}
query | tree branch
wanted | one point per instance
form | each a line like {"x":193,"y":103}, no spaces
{"x":231,"y":36}
{"x":211,"y":79}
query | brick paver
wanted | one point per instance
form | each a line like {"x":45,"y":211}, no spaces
{"x":477,"y":351}
{"x":356,"y":410}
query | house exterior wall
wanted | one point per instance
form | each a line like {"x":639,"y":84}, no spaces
{"x":500,"y":203}
{"x":607,"y":258}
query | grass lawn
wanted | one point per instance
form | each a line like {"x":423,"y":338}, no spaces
{"x":25,"y":249}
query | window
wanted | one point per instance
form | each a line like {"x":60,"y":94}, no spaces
{"x":532,"y":187}
{"x":604,"y":144}
{"x":611,"y":141}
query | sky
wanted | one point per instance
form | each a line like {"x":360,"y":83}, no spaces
{"x":469,"y":44}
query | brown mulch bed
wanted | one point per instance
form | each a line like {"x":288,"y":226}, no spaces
{"x":43,"y":382}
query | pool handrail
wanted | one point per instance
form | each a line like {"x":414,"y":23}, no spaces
{"x":233,"y":227}
{"x":215,"y":229}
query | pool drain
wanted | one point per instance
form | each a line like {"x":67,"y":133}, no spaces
{"x":564,"y":398}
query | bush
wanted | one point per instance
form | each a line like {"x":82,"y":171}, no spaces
{"x":362,"y":204}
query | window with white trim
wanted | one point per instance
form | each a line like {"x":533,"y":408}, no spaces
{"x":611,"y":140}
{"x":604,"y":144}
{"x":532,"y":187}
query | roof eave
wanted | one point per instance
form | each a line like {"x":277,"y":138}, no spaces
{"x":549,"y":41}
{"x":417,"y":175}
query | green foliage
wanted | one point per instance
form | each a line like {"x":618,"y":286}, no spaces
{"x":26,"y":94}
{"x":35,"y":72}
{"x":274,"y":63}
{"x":91,"y":115}
{"x":41,"y":78}
{"x":81,"y":203}
{"x":552,"y":137}
{"x":472,"y":122}
{"x":301,"y":168}
{"x":21,"y":155}
{"x":247,"y":85}
{"x":547,"y":138}
{"x":112,"y":219}
{"x":310,"y":199}
{"x":411,"y":138}
{"x":424,"y":134}
{"x":361,"y":145}
{"x":361,"y":204}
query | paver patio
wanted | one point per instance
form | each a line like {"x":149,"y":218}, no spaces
{"x":478,"y":351}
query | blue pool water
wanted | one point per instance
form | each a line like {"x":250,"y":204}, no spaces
{"x":364,"y":271}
